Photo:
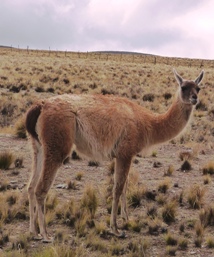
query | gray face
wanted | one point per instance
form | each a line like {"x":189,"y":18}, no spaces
{"x":189,"y":92}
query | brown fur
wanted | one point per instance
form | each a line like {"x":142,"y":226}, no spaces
{"x":31,"y":119}
{"x":101,"y":127}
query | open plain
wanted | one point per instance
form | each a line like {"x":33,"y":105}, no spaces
{"x":171,"y":187}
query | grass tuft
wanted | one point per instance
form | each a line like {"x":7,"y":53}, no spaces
{"x":186,"y":166}
{"x":210,"y":242}
{"x":198,"y":241}
{"x":171,"y":250}
{"x":169,"y":211}
{"x":20,"y":129}
{"x":206,"y":216}
{"x":89,"y":200}
{"x":6,"y":159}
{"x":199,"y":229}
{"x":183,"y":244}
{"x":169,"y":171}
{"x":207,"y":179}
{"x":79,"y":175}
{"x":208,"y":168}
{"x":170,"y":239}
{"x":195,"y":196}
{"x":164,"y":186}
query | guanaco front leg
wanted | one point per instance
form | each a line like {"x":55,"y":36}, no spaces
{"x":120,"y":176}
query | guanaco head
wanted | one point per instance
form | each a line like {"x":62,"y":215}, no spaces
{"x":189,"y":89}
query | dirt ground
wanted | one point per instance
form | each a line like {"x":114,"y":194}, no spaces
{"x":151,"y":175}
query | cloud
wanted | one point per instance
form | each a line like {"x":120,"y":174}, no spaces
{"x":172,"y":28}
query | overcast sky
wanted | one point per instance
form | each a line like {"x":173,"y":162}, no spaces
{"x":179,"y":28}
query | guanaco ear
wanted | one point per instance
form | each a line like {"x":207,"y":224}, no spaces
{"x":178,"y":77}
{"x":199,"y":78}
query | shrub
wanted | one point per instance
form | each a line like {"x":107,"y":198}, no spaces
{"x":4,"y":239}
{"x":206,"y":216}
{"x":154,"y":226}
{"x":183,"y":243}
{"x":171,"y":250}
{"x":4,"y":185}
{"x":164,"y":186}
{"x":198,"y":241}
{"x":207,"y":179}
{"x":79,"y":175}
{"x":20,"y":129}
{"x":167,"y":96}
{"x":61,"y":250}
{"x":6,"y":159}
{"x":208,"y":168}
{"x":210,"y":242}
{"x":186,"y":166}
{"x":152,"y":210}
{"x":135,"y":196}
{"x":51,"y":201}
{"x":161,"y":199}
{"x":22,"y":243}
{"x":169,"y":171}
{"x":40,"y":89}
{"x":169,"y":211}
{"x":89,"y":201}
{"x":182,"y":227}
{"x":95,"y":244}
{"x":195,"y":196}
{"x":149,"y":97}
{"x":93,"y":164}
{"x":170,"y":239}
{"x":199,"y":229}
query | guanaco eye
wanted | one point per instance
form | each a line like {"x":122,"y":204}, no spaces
{"x":184,"y":89}
{"x":198,"y":89}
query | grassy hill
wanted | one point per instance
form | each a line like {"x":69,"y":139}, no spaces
{"x":170,"y":191}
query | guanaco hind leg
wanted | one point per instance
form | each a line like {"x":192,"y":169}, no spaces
{"x":124,"y":209}
{"x":36,"y":170}
{"x":45,"y":181}
{"x":55,"y":143}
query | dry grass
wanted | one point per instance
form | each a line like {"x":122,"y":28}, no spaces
{"x":6,"y":159}
{"x":169,"y":211}
{"x":196,"y":196}
{"x":89,"y":200}
{"x":208,"y":168}
{"x":37,"y":75}
{"x":164,"y":185}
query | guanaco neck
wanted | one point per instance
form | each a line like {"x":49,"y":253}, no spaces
{"x":168,"y":125}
